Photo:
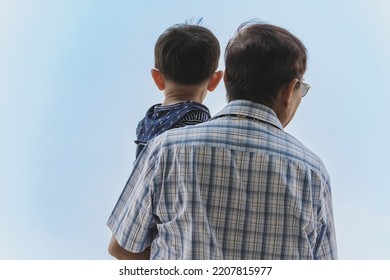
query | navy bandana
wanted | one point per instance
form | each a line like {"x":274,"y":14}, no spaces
{"x":162,"y":118}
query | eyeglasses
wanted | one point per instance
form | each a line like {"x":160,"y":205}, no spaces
{"x":305,"y":88}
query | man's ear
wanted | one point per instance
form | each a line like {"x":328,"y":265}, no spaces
{"x":225,"y":79}
{"x":214,"y":81}
{"x":158,"y":79}
{"x":288,"y":91}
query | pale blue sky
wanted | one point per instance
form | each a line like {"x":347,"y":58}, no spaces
{"x":75,"y":79}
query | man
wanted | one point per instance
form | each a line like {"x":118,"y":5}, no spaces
{"x":237,"y":186}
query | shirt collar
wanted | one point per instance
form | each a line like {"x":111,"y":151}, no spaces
{"x":252,"y":110}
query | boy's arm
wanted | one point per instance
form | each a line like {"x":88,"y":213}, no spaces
{"x":120,"y":253}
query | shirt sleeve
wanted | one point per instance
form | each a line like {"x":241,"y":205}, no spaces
{"x":192,"y":117}
{"x":132,"y":221}
{"x":326,"y":247}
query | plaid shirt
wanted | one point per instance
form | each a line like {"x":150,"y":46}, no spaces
{"x":235,"y":187}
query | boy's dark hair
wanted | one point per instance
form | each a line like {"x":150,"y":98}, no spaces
{"x":187,"y":54}
{"x":259,"y":60}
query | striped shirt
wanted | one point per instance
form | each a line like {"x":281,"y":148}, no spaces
{"x":160,"y":118}
{"x":235,"y":187}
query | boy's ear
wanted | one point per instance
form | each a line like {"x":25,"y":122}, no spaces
{"x":158,"y":79}
{"x":214,"y":81}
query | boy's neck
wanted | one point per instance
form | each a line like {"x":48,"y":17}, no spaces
{"x":176,"y":94}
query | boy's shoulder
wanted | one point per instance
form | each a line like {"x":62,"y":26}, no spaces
{"x":174,"y":112}
{"x":160,"y":118}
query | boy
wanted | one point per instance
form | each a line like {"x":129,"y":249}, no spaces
{"x":186,"y":59}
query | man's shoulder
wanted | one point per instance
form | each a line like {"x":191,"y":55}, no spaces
{"x":183,"y":134}
{"x":307,"y":157}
